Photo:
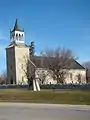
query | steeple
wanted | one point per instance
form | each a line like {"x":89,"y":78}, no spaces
{"x":17,"y":35}
{"x":16,"y":26}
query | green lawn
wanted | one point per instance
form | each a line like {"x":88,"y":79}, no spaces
{"x":45,"y":96}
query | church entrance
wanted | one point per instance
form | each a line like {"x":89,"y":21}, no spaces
{"x":11,"y":82}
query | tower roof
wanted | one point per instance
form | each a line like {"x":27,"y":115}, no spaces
{"x":16,"y":26}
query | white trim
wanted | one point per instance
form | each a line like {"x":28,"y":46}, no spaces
{"x":18,"y":41}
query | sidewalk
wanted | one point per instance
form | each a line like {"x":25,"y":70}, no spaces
{"x":40,"y":105}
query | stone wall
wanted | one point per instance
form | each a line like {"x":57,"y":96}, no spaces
{"x":70,"y":77}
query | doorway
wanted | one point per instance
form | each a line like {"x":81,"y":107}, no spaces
{"x":11,"y":82}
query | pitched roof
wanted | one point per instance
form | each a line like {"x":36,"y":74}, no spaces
{"x":20,"y":45}
{"x":44,"y":62}
{"x":16,"y":26}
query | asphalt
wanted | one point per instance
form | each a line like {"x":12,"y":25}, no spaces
{"x":26,"y":111}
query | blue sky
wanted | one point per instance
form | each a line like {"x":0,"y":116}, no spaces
{"x":50,"y":23}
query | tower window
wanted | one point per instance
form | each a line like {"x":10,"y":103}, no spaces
{"x":16,"y":35}
{"x":20,"y":37}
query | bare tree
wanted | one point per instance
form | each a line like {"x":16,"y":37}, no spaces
{"x":58,"y":60}
{"x":24,"y":66}
{"x":86,"y":64}
{"x":3,"y":78}
{"x":42,"y":75}
{"x":28,"y":67}
{"x":79,"y":78}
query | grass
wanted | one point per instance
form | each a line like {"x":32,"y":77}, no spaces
{"x":46,"y":96}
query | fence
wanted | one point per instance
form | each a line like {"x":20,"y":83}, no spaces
{"x":13,"y":86}
{"x":57,"y":86}
{"x":69,"y":86}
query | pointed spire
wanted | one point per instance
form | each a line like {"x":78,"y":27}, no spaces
{"x":16,"y":26}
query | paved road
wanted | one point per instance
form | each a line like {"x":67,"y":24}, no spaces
{"x":19,"y":111}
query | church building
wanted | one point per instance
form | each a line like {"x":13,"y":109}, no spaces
{"x":16,"y":65}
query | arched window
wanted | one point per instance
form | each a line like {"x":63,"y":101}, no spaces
{"x":17,"y":36}
{"x":20,"y":37}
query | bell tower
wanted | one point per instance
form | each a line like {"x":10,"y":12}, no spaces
{"x":17,"y":35}
{"x":15,"y":55}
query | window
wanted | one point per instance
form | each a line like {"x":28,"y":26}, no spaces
{"x":50,"y":83}
{"x":71,"y":76}
{"x":17,"y":36}
{"x":20,"y":37}
{"x":79,"y":78}
{"x":11,"y":66}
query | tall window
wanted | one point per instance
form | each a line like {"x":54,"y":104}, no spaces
{"x":16,"y":36}
{"x":79,"y":78}
{"x":19,"y":37}
{"x":70,"y":76}
{"x":11,"y":66}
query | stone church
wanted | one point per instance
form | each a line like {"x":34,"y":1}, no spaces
{"x":15,"y":53}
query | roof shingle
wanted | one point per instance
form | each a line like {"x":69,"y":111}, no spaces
{"x":44,"y":62}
